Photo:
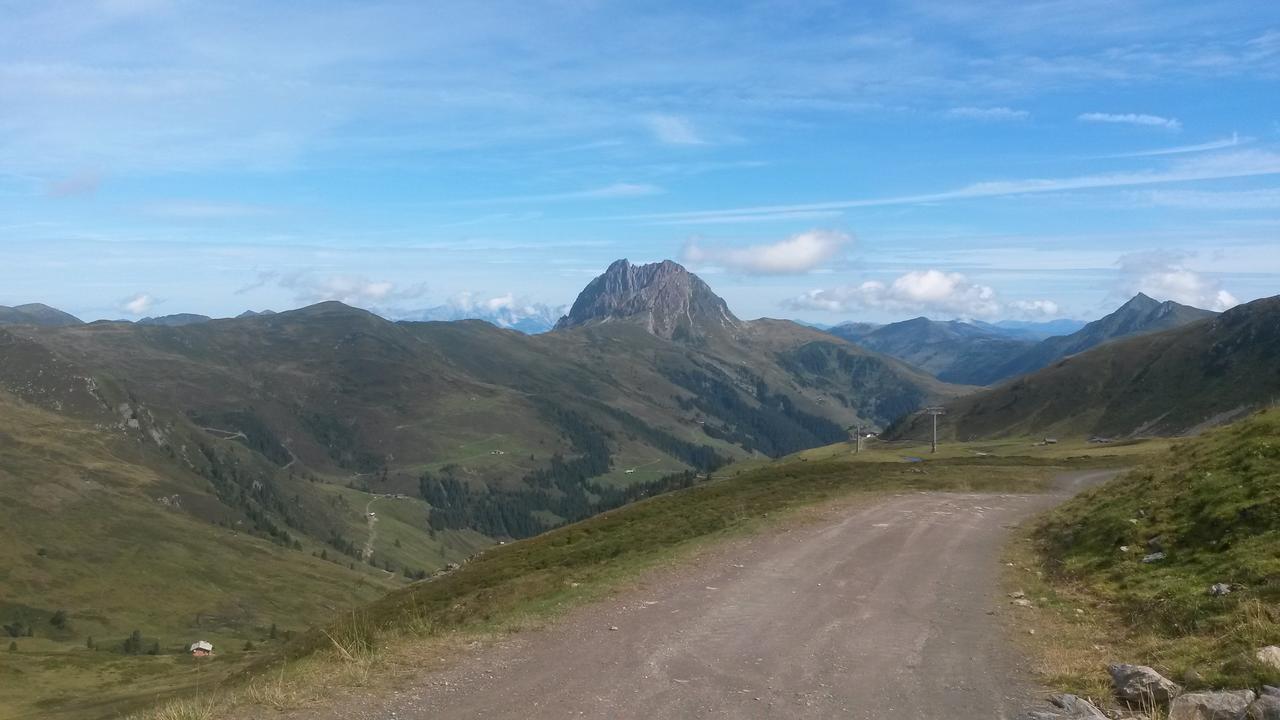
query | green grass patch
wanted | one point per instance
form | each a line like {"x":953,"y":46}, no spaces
{"x":1212,"y":505}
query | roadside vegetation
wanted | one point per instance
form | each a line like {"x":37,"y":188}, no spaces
{"x":523,"y":584}
{"x":1175,"y":565}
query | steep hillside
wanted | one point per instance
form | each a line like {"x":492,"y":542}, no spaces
{"x":36,"y":314}
{"x":1165,"y":383}
{"x":953,"y":351}
{"x":1139,"y":315}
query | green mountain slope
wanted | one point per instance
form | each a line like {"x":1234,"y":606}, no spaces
{"x":1164,"y":383}
{"x":1139,"y":315}
{"x":953,"y":351}
{"x":528,"y":432}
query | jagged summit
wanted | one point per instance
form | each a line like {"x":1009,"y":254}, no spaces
{"x":667,"y":299}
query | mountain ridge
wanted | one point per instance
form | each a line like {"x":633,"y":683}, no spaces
{"x":1170,"y":382}
{"x":37,"y":314}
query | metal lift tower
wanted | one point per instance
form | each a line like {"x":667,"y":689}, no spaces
{"x":935,"y":411}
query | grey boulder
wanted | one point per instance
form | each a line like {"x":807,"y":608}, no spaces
{"x":1226,"y":705}
{"x":1140,"y":686}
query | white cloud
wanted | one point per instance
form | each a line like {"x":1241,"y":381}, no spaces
{"x":673,"y":130}
{"x":1165,"y":276}
{"x":916,"y":291}
{"x":1243,"y":163}
{"x":504,"y":310}
{"x":948,"y":294}
{"x":798,"y":253}
{"x":988,"y":113}
{"x":356,"y":290}
{"x":139,"y":304}
{"x":1132,"y":119}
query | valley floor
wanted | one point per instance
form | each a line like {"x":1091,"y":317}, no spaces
{"x":887,"y":610}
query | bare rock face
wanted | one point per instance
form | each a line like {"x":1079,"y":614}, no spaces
{"x":666,"y":299}
{"x":1225,"y":705}
{"x":1140,"y":686}
{"x":1269,"y":656}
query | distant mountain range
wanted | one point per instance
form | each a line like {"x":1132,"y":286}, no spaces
{"x":1201,"y":372}
{"x":953,"y":351}
{"x":177,"y":320}
{"x":295,"y":429}
{"x":1139,"y":315}
{"x":975,"y":353}
{"x":1031,"y":330}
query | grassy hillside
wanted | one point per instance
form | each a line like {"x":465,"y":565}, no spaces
{"x":95,"y":543}
{"x":1165,"y":383}
{"x":1213,"y":507}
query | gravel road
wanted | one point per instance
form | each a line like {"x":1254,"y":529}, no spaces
{"x":889,"y":610}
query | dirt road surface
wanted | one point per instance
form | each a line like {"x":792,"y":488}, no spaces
{"x":889,"y":610}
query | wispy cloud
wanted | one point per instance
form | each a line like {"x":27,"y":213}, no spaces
{"x":799,"y":253}
{"x":616,"y":191}
{"x":201,"y":210}
{"x":988,"y":113}
{"x":351,"y":289}
{"x":1219,"y":166}
{"x":673,"y":130}
{"x":1132,"y":119}
{"x":1233,"y":141}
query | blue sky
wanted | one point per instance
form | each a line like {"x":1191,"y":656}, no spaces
{"x":819,"y":160}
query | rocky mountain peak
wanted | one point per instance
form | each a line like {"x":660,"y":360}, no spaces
{"x":667,"y":299}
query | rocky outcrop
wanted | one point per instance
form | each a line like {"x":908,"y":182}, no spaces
{"x":664,"y":298}
{"x":1226,"y":705}
{"x":1140,"y":686}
